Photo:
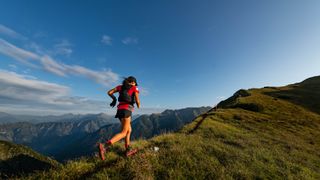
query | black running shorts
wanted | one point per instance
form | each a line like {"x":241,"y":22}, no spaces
{"x":123,"y":113}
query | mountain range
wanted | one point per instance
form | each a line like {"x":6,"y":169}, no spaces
{"x":49,"y":138}
{"x":145,"y":126}
{"x":13,"y":118}
{"x":57,"y":139}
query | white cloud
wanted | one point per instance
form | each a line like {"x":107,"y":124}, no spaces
{"x":130,"y":40}
{"x":143,"y":91}
{"x":64,"y":47}
{"x":19,"y":91}
{"x":13,"y":66}
{"x":17,"y":88}
{"x":105,"y":77}
{"x":36,"y":47}
{"x":40,"y":34}
{"x":52,"y":66}
{"x":221,"y":97}
{"x":22,"y":95}
{"x":26,"y":71}
{"x":106,"y":40}
{"x":17,"y":53}
{"x":11,"y":33}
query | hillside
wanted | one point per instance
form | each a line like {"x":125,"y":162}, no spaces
{"x":305,"y":94}
{"x":255,"y":134}
{"x":18,"y":160}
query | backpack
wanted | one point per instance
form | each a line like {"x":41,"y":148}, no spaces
{"x":124,"y":96}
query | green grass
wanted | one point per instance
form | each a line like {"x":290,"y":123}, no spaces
{"x":256,"y":136}
{"x":18,"y":161}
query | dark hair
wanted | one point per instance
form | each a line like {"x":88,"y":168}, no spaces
{"x":126,"y":81}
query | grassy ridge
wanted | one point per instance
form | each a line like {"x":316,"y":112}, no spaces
{"x":255,"y":134}
{"x":19,"y":160}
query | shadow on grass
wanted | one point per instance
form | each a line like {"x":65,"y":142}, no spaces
{"x":21,"y":165}
{"x":306,"y":94}
{"x":100,"y":166}
{"x":203,"y":117}
{"x":105,"y":164}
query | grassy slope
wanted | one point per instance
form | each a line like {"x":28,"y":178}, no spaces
{"x":262,"y":135}
{"x":19,"y":160}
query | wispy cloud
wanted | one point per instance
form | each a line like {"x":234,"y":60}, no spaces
{"x":28,"y":95}
{"x":18,"y":54}
{"x":107,"y":40}
{"x":52,"y":66}
{"x":46,"y":62}
{"x":221,"y":97}
{"x":130,"y":40}
{"x":40,"y":34}
{"x":143,"y":91}
{"x":36,"y":47}
{"x":105,"y":77}
{"x":19,"y":91}
{"x":64,"y":47}
{"x":13,"y":66}
{"x":10,"y":33}
{"x":17,"y":88}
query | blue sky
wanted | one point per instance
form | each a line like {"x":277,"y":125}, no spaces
{"x":61,"y":56}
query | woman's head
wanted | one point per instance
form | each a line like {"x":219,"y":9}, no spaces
{"x":132,"y":80}
{"x":129,"y":81}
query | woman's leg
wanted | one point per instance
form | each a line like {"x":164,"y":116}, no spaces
{"x":127,"y":141}
{"x":125,"y":128}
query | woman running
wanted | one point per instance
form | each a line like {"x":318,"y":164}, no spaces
{"x":128,"y":96}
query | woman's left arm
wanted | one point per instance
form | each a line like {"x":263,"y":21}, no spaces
{"x":112,"y":91}
{"x":114,"y":99}
{"x":136,"y":96}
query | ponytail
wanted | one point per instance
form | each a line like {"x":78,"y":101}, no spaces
{"x":125,"y":84}
{"x":126,"y":81}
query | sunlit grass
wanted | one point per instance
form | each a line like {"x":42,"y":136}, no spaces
{"x":277,"y":140}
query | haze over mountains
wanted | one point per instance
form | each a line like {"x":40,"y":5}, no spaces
{"x":13,"y":118}
{"x":51,"y":137}
{"x":56,"y":138}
